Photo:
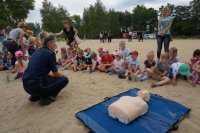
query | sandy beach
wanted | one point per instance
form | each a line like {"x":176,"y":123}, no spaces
{"x":18,"y":115}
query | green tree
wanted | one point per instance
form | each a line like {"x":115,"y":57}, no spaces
{"x":14,"y":11}
{"x":52,"y":17}
{"x":35,"y":27}
{"x":114,"y":24}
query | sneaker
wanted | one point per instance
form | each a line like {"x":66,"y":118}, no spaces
{"x":92,"y":70}
{"x":136,"y":78}
{"x":45,"y":101}
{"x":34,"y":98}
{"x":110,"y":73}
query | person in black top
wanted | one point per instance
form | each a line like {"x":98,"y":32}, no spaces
{"x":109,"y":37}
{"x":70,"y":32}
{"x":37,"y":79}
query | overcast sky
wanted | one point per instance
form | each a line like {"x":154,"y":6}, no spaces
{"x":77,"y":6}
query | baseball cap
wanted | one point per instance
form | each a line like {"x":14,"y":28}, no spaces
{"x":118,"y":53}
{"x":18,"y":54}
{"x":100,"y":49}
{"x":184,"y":69}
{"x":134,"y":52}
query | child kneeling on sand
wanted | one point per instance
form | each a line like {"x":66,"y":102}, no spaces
{"x":173,"y":58}
{"x":180,"y":69}
{"x":160,"y":71}
{"x":118,"y":65}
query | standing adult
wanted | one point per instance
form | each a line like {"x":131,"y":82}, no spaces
{"x":130,"y":36}
{"x":164,"y":25}
{"x":109,"y":37}
{"x":15,"y":41}
{"x":70,"y":32}
{"x":140,"y":36}
{"x":37,"y":79}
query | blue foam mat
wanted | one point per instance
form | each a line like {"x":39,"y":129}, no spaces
{"x":161,"y":117}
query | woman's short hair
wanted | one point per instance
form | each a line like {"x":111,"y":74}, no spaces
{"x":48,"y":38}
{"x":22,"y":25}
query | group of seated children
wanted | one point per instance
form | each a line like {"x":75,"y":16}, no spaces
{"x":22,"y":58}
{"x":126,"y":64}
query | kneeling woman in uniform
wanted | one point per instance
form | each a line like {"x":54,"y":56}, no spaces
{"x":41,"y":79}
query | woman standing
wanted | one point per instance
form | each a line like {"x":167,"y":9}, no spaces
{"x":70,"y":32}
{"x":164,"y":36}
{"x":37,"y":79}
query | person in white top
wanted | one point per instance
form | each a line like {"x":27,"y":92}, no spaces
{"x":118,"y":65}
{"x":130,"y":36}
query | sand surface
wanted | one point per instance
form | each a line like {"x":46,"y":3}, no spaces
{"x":18,"y":115}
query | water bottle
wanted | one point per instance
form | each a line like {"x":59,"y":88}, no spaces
{"x":7,"y":78}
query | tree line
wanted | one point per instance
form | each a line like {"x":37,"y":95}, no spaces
{"x":96,"y":18}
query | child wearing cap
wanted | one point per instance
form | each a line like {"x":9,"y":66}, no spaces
{"x":173,"y":57}
{"x":180,"y":69}
{"x":118,"y":65}
{"x":20,"y":65}
{"x":148,"y":64}
{"x":106,"y":61}
{"x":133,"y":65}
{"x":100,"y":50}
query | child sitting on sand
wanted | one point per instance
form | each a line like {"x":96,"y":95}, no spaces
{"x":106,"y":61}
{"x":100,"y":50}
{"x":20,"y":65}
{"x":160,"y":71}
{"x":63,"y":59}
{"x":118,"y":65}
{"x":195,"y":75}
{"x":96,"y":60}
{"x":173,"y":58}
{"x":195,"y":58}
{"x":80,"y":61}
{"x":149,"y":63}
{"x":88,"y":60}
{"x":133,"y":66}
{"x":71,"y":60}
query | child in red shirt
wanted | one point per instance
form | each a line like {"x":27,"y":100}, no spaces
{"x":106,"y":61}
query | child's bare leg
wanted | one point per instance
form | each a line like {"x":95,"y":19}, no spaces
{"x":137,"y":72}
{"x":127,"y":72}
{"x":164,"y":81}
{"x":94,"y":65}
